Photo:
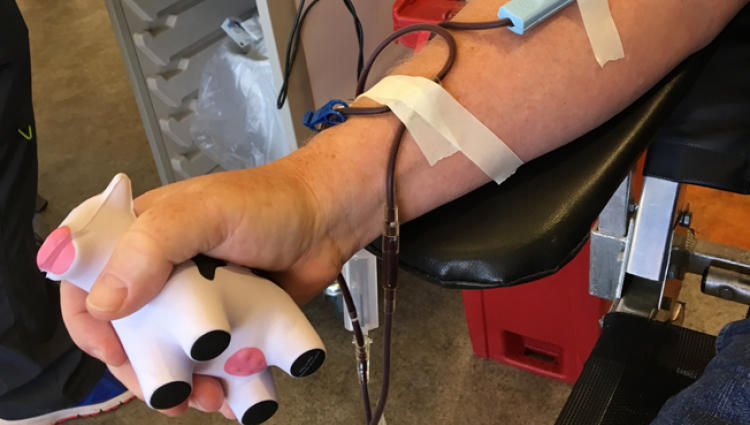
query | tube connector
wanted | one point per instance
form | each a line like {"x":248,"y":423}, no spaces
{"x":363,"y":359}
{"x":389,"y":306}
{"x":390,"y":249}
{"x":526,"y":14}
{"x":391,"y":230}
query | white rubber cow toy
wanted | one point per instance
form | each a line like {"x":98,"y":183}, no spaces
{"x":212,"y":318}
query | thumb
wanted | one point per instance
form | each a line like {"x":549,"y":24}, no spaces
{"x":166,"y":234}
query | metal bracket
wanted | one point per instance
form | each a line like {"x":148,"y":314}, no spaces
{"x":631,"y":258}
{"x":613,"y":220}
{"x":640,"y":297}
{"x":692,"y":255}
{"x":727,"y":284}
{"x":725,"y":269}
{"x":610,"y":242}
{"x":609,"y":254}
{"x":654,"y":227}
{"x":644,"y":298}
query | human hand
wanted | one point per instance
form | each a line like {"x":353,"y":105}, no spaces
{"x":267,"y":218}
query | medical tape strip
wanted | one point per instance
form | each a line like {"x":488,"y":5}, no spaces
{"x":602,"y":31}
{"x":441,"y":126}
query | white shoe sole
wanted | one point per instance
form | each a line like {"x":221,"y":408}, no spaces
{"x":74,"y":412}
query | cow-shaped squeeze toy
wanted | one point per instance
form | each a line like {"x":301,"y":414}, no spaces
{"x":211,"y":318}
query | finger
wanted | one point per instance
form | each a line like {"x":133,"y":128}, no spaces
{"x":194,"y":405}
{"x":126,"y":375}
{"x":208,"y":394}
{"x":227,"y":411}
{"x":169,"y":233}
{"x":95,"y":337}
{"x":176,"y":411}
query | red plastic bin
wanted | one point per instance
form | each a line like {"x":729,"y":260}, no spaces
{"x":548,"y":327}
{"x":409,"y":12}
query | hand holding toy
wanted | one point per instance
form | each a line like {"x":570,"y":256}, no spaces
{"x":211,"y":318}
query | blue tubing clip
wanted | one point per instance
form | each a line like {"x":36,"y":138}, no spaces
{"x":526,"y":14}
{"x":327,"y":114}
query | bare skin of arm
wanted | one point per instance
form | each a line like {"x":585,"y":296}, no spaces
{"x":536,"y":92}
{"x":303,"y":216}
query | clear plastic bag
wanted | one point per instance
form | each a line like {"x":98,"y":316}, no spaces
{"x":236,"y":122}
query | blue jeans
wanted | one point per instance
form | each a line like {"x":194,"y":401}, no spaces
{"x":721,"y":396}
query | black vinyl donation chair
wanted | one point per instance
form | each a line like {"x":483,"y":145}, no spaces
{"x":695,"y":124}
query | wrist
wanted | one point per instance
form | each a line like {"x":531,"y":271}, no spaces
{"x":342,"y":169}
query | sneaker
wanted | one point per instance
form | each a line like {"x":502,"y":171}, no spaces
{"x":108,"y":395}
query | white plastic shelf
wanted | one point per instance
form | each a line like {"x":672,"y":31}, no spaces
{"x":165,"y":45}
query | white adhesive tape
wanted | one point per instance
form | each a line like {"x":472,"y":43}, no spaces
{"x":602,"y":31}
{"x":441,"y":126}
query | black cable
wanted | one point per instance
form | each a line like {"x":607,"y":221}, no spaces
{"x":473,"y":26}
{"x":287,"y":60}
{"x":360,"y":36}
{"x":391,"y":232}
{"x":349,"y":301}
{"x":366,"y":400}
{"x":293,"y":45}
{"x":291,"y":50}
{"x":391,"y":228}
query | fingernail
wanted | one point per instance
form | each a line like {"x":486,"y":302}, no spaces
{"x":197,"y":405}
{"x":107,"y":295}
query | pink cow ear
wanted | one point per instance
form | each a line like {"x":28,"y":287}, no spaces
{"x":57,"y":253}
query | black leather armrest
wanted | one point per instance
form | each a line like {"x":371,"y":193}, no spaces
{"x":535,"y":222}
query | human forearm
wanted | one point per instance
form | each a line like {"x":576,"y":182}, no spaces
{"x":536,"y":92}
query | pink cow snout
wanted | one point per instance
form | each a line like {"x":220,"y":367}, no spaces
{"x":57,"y":253}
{"x":246,"y":362}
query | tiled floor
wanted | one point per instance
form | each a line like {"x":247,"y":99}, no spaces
{"x":89,"y":128}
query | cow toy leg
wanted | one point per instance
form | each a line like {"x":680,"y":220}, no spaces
{"x":164,"y":372}
{"x":192,"y":309}
{"x":252,"y":399}
{"x":297,"y":350}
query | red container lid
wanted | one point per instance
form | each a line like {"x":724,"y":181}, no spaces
{"x":409,"y":12}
